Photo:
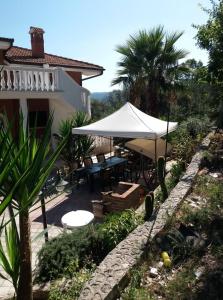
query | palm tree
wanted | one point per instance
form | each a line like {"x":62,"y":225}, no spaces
{"x":149,"y":63}
{"x":25,"y":164}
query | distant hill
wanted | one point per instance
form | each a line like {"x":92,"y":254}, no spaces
{"x":100,"y":96}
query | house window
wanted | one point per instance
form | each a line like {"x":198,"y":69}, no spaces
{"x":38,"y":118}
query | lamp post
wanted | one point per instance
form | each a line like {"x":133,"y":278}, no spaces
{"x":43,"y":208}
{"x":168,"y":120}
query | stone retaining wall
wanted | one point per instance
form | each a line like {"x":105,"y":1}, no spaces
{"x":111,"y":276}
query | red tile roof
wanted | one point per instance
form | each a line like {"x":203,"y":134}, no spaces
{"x":18,"y":55}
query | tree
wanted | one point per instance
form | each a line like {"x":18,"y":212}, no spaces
{"x":114,"y":100}
{"x":210,"y":37}
{"x":25,"y":164}
{"x":148,"y":65}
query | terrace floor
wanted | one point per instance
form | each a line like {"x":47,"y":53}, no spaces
{"x":55,"y":209}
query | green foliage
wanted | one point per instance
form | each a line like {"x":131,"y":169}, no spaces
{"x":77,"y":146}
{"x":134,"y":289}
{"x":10,"y":256}
{"x":209,"y":37}
{"x":73,"y":289}
{"x":181,"y":286}
{"x":25,"y":165}
{"x":117,"y":226}
{"x":101,"y":109}
{"x":187,"y":137}
{"x":69,"y":252}
{"x":213,"y":192}
{"x":148,"y":64}
{"x":161,"y":177}
{"x":176,"y":172}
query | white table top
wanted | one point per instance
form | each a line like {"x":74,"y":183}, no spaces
{"x":77,"y":218}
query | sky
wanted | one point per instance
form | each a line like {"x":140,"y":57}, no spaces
{"x":90,"y":30}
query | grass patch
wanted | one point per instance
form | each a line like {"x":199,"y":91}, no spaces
{"x":72,"y":288}
{"x":181,"y":287}
{"x":212,"y":191}
{"x":135,"y":290}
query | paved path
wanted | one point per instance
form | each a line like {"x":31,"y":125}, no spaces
{"x":79,"y":199}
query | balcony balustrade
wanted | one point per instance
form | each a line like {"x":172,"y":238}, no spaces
{"x":16,"y":78}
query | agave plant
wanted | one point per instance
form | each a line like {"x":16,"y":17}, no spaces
{"x":25,"y":164}
{"x":10,"y":256}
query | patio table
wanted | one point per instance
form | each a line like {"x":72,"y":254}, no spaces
{"x":77,"y":219}
{"x":109,"y":163}
{"x":96,"y":168}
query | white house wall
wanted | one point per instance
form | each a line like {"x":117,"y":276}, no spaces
{"x":74,"y":94}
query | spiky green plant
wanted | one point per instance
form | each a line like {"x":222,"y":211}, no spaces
{"x":77,"y":146}
{"x":25,"y":164}
{"x":10,"y":256}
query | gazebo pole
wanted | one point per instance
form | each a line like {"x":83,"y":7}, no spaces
{"x":167,"y":133}
{"x":110,"y":147}
{"x":155,"y":159}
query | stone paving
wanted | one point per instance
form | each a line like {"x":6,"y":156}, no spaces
{"x":55,"y":209}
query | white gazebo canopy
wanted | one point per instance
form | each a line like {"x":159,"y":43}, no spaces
{"x":128,"y":122}
{"x":146,"y":147}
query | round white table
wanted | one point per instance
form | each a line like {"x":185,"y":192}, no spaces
{"x":77,"y":219}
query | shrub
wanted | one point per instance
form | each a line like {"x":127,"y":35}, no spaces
{"x":117,"y":226}
{"x":213,"y":192}
{"x":73,"y":287}
{"x":176,"y":172}
{"x":186,"y":138}
{"x":69,"y":252}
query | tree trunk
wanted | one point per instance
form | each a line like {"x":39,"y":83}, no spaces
{"x":25,"y":279}
{"x":153,"y":99}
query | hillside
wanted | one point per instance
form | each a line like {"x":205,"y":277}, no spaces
{"x":100,"y":96}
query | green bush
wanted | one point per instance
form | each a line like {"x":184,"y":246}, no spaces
{"x":187,"y":136}
{"x":212,"y":192}
{"x":117,"y":226}
{"x":69,"y":252}
{"x":176,"y":172}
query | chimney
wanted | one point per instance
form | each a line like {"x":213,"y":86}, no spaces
{"x":37,"y":42}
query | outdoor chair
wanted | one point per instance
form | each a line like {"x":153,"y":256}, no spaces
{"x":107,"y":178}
{"x":87,"y":162}
{"x":100,"y":157}
{"x":119,"y":172}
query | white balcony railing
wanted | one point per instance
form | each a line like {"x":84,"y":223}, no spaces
{"x":19,"y":78}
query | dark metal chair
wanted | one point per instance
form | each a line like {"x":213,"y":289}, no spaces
{"x":87,"y":161}
{"x":100,"y":157}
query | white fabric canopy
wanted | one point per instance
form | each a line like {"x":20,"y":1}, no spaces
{"x":146,"y":147}
{"x":128,"y":122}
